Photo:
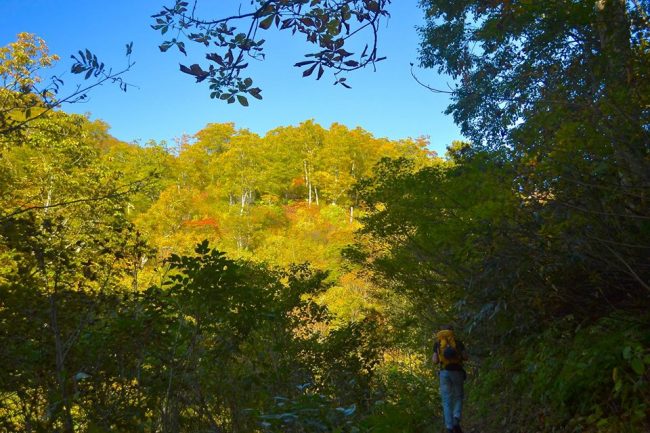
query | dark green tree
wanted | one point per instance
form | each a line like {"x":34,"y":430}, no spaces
{"x":562,"y":86}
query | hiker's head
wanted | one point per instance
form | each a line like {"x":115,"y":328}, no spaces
{"x":447,"y":327}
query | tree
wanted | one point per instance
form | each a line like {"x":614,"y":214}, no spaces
{"x":563,"y":86}
{"x":67,"y":252}
{"x":516,"y":62}
{"x":19,"y":62}
{"x":25,"y":96}
{"x":330,"y":25}
{"x":240,"y":168}
{"x":563,"y":83}
{"x":198,"y":158}
{"x":456,"y":242}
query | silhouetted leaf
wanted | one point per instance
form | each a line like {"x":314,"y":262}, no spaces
{"x":308,"y":72}
{"x":242,"y":100}
{"x":266,"y":22}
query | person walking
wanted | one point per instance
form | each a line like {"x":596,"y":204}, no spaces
{"x":449,"y":353}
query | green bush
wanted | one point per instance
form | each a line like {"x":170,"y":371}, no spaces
{"x":407,"y":400}
{"x":570,"y":379}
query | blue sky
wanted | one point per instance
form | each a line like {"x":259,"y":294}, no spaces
{"x":167,"y":103}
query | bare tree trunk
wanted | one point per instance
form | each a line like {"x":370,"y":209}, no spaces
{"x":307,"y":181}
{"x":309,"y":200}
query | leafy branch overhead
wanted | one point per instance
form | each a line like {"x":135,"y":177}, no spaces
{"x":26,"y":96}
{"x":232,"y":41}
{"x":88,"y":65}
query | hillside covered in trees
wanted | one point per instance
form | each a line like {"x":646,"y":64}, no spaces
{"x":294,"y":281}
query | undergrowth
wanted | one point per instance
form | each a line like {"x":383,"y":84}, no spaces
{"x":571,"y":378}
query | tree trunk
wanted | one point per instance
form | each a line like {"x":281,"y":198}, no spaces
{"x":309,"y":199}
{"x":59,"y":361}
{"x":68,"y":426}
{"x":624,"y":117}
{"x":307,"y":181}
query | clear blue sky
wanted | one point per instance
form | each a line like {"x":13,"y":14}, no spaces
{"x":167,"y":103}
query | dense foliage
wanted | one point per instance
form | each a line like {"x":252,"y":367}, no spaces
{"x":99,"y":335}
{"x":549,"y":322}
{"x":113,"y":318}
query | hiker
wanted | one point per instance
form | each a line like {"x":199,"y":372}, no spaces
{"x":450,"y":353}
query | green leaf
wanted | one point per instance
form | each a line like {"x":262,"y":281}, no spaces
{"x":627,"y":353}
{"x":242,"y":100}
{"x":618,"y":385}
{"x":255,"y":92}
{"x":266,"y":22}
{"x":638,"y":366}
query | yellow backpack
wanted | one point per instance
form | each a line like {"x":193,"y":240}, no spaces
{"x":448,"y":352}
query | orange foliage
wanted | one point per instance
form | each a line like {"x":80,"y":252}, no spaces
{"x":202,"y":223}
{"x":300,"y":209}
